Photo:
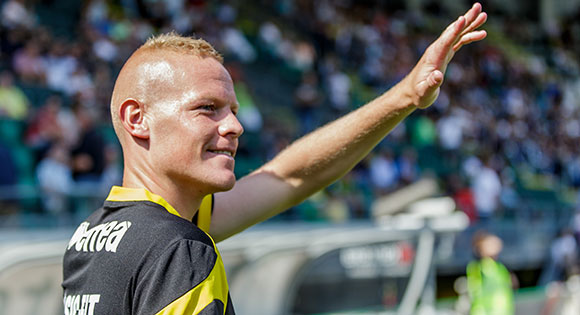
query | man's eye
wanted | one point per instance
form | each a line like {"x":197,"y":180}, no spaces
{"x":208,"y":107}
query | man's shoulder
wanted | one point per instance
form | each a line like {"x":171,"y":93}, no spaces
{"x":140,"y":225}
{"x":155,"y":221}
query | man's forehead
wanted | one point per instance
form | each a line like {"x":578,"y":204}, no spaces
{"x":208,"y":79}
{"x":164,"y":64}
{"x":188,"y":75}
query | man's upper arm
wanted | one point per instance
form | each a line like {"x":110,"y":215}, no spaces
{"x":254,"y":198}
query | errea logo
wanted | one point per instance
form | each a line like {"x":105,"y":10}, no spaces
{"x":105,"y":236}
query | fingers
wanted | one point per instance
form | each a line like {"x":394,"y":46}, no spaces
{"x":480,"y":19}
{"x":469,"y":38}
{"x":452,"y":33}
{"x":473,"y":13}
{"x":462,"y":31}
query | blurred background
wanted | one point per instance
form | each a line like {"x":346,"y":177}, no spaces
{"x":497,"y":152}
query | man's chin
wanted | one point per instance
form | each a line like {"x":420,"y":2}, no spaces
{"x":228,"y":186}
{"x":225,"y":185}
{"x":219,"y":182}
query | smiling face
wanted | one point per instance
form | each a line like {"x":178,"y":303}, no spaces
{"x":193,"y":128}
{"x":188,"y":131}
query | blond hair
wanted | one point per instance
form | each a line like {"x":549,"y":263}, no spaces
{"x":126,"y":84}
{"x":182,"y":44}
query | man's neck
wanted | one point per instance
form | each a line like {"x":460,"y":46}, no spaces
{"x":185,"y":201}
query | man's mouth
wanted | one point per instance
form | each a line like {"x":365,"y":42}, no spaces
{"x":229,"y":153}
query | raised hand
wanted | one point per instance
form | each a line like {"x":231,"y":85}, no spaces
{"x":427,"y":76}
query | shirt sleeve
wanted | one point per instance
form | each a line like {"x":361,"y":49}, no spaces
{"x":188,"y":278}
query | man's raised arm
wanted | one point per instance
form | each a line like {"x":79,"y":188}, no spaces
{"x":323,"y":156}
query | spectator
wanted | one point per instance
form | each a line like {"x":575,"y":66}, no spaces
{"x":270,"y":37}
{"x":308,"y":100}
{"x":336,"y":209}
{"x":88,"y":156}
{"x":486,"y":191}
{"x":354,"y":189}
{"x":113,"y":172}
{"x":29,"y":64}
{"x":8,"y":174}
{"x":81,"y":85}
{"x":103,"y":86}
{"x":304,"y":56}
{"x":13,"y":102}
{"x":338,"y":86}
{"x":576,"y":226}
{"x":60,"y":65}
{"x":50,"y":124}
{"x":104,"y":48}
{"x":408,"y":166}
{"x":55,"y":179}
{"x":16,"y":14}
{"x":383,"y":172}
{"x":248,"y":114}
{"x":8,"y":178}
{"x":462,"y":195}
{"x":450,"y":129}
{"x":562,"y":259}
{"x":236,"y":44}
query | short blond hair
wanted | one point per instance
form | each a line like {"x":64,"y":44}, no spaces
{"x":182,"y":44}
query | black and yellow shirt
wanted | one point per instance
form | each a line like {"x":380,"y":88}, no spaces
{"x":136,"y":255}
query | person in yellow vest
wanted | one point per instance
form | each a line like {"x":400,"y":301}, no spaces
{"x":489,"y":283}
{"x":13,"y":102}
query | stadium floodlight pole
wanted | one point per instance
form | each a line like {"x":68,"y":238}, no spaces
{"x":421,"y":270}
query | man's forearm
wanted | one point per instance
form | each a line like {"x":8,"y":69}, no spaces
{"x":309,"y":164}
{"x":323,"y":156}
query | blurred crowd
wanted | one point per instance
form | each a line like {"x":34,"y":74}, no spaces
{"x":506,"y":121}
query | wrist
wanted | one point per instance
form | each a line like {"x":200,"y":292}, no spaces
{"x":407,"y":95}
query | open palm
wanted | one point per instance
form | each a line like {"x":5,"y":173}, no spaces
{"x":427,"y":76}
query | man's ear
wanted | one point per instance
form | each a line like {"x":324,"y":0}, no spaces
{"x":132,"y":114}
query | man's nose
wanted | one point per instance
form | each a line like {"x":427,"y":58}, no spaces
{"x":230,"y":125}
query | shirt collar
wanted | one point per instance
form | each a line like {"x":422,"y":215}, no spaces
{"x":119,"y":193}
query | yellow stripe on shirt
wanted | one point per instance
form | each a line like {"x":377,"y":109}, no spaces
{"x":214,"y":287}
{"x":140,"y":194}
{"x":204,"y":213}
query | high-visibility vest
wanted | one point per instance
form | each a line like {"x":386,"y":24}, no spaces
{"x":490,"y":288}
